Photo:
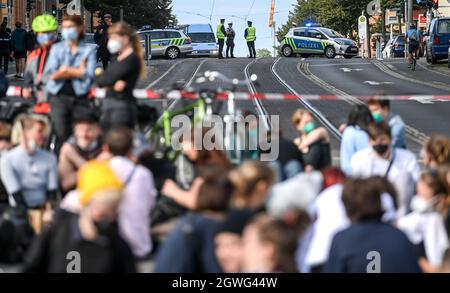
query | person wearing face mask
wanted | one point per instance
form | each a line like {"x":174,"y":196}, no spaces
{"x":381,"y":111}
{"x":101,"y":39}
{"x":30,"y":174}
{"x":425,"y":225}
{"x":71,"y":70}
{"x":383,"y":159}
{"x":45,"y":27}
{"x":314,"y":141}
{"x":93,"y":232}
{"x":83,"y":146}
{"x":120,"y":78}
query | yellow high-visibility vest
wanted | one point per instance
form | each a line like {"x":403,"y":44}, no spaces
{"x":251,"y":34}
{"x":220,"y":34}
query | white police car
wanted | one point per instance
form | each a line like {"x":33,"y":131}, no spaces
{"x":169,"y":43}
{"x":312,"y":40}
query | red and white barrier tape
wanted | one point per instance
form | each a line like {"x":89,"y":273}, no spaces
{"x":142,"y":94}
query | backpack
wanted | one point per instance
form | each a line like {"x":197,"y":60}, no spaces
{"x":413,"y":36}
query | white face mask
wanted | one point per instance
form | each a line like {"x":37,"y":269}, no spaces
{"x":114,"y":46}
{"x":421,"y":205}
{"x":32,"y":146}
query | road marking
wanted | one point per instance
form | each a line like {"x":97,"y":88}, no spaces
{"x":345,"y":69}
{"x":327,"y":123}
{"x":376,"y":83}
{"x":426,"y":100}
{"x":413,"y":133}
{"x":151,"y":85}
{"x":337,"y":64}
{"x":384,"y":67}
{"x":189,"y":83}
{"x":258,"y":103}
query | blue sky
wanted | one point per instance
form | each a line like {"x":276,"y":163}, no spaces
{"x":235,"y":11}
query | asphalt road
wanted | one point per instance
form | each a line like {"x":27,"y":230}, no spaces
{"x":319,"y":76}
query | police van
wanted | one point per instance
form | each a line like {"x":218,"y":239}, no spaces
{"x":170,"y":43}
{"x":316,"y":40}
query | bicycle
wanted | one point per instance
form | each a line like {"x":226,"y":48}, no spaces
{"x":200,"y":111}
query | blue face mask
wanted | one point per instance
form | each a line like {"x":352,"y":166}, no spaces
{"x":69,"y":34}
{"x":45,"y":39}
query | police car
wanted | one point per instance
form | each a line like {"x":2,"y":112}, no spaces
{"x":316,"y":40}
{"x":170,"y":43}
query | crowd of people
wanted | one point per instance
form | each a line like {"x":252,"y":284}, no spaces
{"x":103,"y":194}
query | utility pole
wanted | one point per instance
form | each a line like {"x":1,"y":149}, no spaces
{"x":410,"y":13}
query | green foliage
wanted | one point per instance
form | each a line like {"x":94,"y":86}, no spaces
{"x":157,"y":13}
{"x":263,"y":53}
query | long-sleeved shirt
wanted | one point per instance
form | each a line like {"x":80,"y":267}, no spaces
{"x":137,"y":204}
{"x":398,"y":131}
{"x":127,"y":70}
{"x":19,"y":40}
{"x":32,"y":175}
{"x":354,"y":140}
{"x":351,"y":248}
{"x":61,"y":55}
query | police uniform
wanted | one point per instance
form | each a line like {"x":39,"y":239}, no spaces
{"x":231,"y":34}
{"x":250,"y":36}
{"x":221,"y":34}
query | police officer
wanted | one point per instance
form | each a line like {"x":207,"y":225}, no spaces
{"x":231,"y":34}
{"x":250,"y":36}
{"x":221,"y":34}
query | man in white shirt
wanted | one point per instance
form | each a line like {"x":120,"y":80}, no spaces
{"x":382,"y":159}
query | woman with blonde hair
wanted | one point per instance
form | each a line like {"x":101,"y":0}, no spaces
{"x":437,"y":151}
{"x":120,"y":78}
{"x":252,"y":181}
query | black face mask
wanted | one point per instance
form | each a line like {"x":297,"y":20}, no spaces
{"x":381,"y":149}
{"x":105,"y":228}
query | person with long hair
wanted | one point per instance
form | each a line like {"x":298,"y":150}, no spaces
{"x":120,"y":78}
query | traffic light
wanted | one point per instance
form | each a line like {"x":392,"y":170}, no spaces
{"x":54,"y":11}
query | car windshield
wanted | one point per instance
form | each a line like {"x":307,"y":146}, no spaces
{"x":202,"y":37}
{"x":331,"y":33}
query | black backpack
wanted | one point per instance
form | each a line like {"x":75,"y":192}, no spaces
{"x":16,"y":235}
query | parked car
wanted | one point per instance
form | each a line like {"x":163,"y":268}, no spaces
{"x":395,"y":47}
{"x":438,"y":40}
{"x":170,"y":43}
{"x":204,"y":42}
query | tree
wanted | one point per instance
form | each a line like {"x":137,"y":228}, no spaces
{"x":157,"y":13}
{"x":263,"y":53}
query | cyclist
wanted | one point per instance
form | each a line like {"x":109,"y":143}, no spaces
{"x":413,"y":36}
{"x":45,"y":27}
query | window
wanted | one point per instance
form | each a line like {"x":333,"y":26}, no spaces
{"x":332,"y":34}
{"x":315,"y":34}
{"x":299,"y":33}
{"x":444,"y":27}
{"x":202,"y":37}
{"x":173,"y":35}
{"x":158,"y":35}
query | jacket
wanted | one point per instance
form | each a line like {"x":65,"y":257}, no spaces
{"x":5,"y":43}
{"x":19,"y":40}
{"x":34,"y":73}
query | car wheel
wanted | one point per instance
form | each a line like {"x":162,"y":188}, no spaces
{"x":330,"y":52}
{"x":173,"y":53}
{"x":428,"y":56}
{"x":287,"y":51}
{"x":434,"y":60}
{"x":449,"y":62}
{"x":348,"y":57}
